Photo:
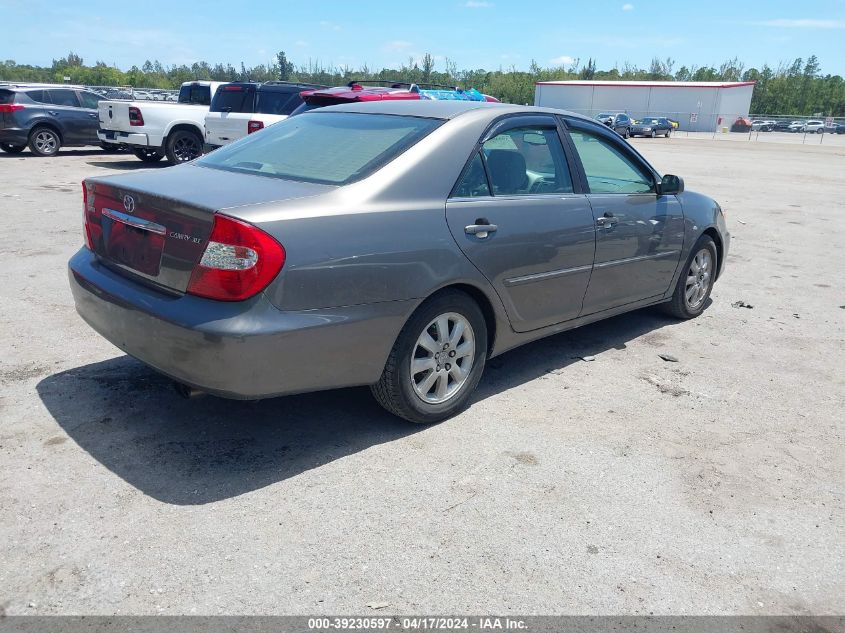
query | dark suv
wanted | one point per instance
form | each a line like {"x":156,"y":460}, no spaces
{"x":243,"y":107}
{"x":619,"y":122}
{"x":46,"y":117}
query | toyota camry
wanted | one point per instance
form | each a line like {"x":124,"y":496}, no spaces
{"x":398,"y":245}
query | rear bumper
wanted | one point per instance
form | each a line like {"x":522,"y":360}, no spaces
{"x":128,"y":138}
{"x":14,"y":135}
{"x":243,"y":350}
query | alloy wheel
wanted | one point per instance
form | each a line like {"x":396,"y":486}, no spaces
{"x":699,"y":276}
{"x":442,"y":358}
{"x":46,"y":142}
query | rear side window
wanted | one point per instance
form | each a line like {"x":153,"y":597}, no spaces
{"x":527,"y":160}
{"x":277,"y":102}
{"x":607,"y":168}
{"x":233,"y":99}
{"x":198,"y":95}
{"x":333,"y":148}
{"x":64,"y":97}
{"x":39,"y":96}
{"x":7,"y":96}
{"x":474,"y":181}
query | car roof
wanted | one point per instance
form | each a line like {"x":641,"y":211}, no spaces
{"x":441,"y":109}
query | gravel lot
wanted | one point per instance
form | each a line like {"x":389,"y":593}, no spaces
{"x":623,"y":485}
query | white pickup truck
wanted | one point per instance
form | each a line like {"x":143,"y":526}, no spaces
{"x":155,"y":129}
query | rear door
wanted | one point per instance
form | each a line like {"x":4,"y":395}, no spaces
{"x":639,"y":234}
{"x":517,"y":214}
{"x":73,"y":118}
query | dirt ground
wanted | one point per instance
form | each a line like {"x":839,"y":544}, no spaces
{"x":623,"y":485}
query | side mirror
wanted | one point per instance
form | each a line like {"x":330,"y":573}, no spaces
{"x":671,"y":185}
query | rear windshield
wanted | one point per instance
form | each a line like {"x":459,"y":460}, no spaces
{"x":6,"y":96}
{"x":199,"y":95}
{"x":233,"y":99}
{"x":333,"y":148}
{"x":277,"y":102}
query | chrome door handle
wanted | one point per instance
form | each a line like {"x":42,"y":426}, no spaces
{"x":93,"y":116}
{"x":480,"y":231}
{"x":607,"y":220}
{"x":52,"y":113}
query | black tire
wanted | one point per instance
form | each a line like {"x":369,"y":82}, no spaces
{"x":9,"y":148}
{"x":668,"y":133}
{"x":44,"y":141}
{"x":678,"y":306}
{"x":110,"y":148}
{"x":148,"y":155}
{"x":627,"y":133}
{"x":653,"y":134}
{"x":183,"y":146}
{"x":395,"y":389}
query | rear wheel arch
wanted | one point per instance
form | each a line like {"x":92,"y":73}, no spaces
{"x":484,"y":303}
{"x":48,"y":124}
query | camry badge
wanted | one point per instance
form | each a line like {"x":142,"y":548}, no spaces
{"x":129,"y":203}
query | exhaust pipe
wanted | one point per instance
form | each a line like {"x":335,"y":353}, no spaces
{"x":189,"y":393}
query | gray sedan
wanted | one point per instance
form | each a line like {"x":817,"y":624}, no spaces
{"x":397,"y":244}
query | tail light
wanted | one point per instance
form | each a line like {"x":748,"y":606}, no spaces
{"x":135,"y":116}
{"x":254,"y":126}
{"x":239,"y":261}
{"x":10,"y":107}
{"x":93,"y":229}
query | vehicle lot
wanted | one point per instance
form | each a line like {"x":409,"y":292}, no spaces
{"x":625,"y":484}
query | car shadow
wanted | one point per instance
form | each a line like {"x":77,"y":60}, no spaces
{"x":129,"y":164}
{"x":196,"y":451}
{"x":63,"y":153}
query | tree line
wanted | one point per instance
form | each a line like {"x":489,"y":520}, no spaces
{"x":798,"y":88}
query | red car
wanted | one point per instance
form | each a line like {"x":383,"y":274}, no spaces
{"x":378,"y":90}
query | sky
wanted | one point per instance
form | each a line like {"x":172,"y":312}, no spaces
{"x":487,"y":34}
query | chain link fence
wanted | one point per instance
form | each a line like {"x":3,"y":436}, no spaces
{"x":733,"y":126}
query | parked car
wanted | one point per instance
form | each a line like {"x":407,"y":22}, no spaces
{"x":814,"y":126}
{"x":652,"y":126}
{"x":155,"y":129}
{"x":243,"y":107}
{"x":782,"y":126}
{"x":46,"y":118}
{"x":838,"y":128}
{"x":386,"y":244}
{"x":760,"y":125}
{"x":796,"y":126}
{"x":618,"y":122}
{"x":741,"y":124}
{"x":377,"y":90}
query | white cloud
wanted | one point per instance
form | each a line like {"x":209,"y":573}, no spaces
{"x":803,"y":23}
{"x":329,"y":25}
{"x":397,"y":46}
{"x":627,"y":7}
{"x":478,"y":4}
{"x":563,"y":60}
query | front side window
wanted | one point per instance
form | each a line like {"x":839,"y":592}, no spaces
{"x":333,"y":148}
{"x":89,"y":100}
{"x":64,"y":98}
{"x":607,"y":168}
{"x":527,"y":160}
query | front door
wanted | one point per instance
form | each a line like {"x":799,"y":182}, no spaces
{"x":516,"y":215}
{"x":639,"y":234}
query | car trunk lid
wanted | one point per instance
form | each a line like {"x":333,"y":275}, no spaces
{"x":153,"y":226}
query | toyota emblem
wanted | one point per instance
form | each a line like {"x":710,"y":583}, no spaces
{"x":129,"y":203}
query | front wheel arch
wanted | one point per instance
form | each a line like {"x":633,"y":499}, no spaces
{"x":720,"y":248}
